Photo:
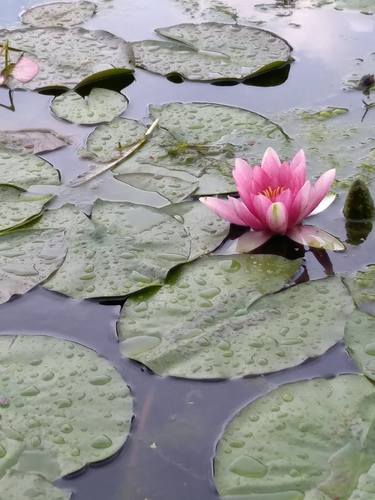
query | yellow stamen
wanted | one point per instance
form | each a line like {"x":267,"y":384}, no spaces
{"x":271,"y":193}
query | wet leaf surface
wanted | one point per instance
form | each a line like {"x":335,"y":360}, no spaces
{"x":32,"y":141}
{"x":314,"y":438}
{"x":62,"y":14}
{"x":101,"y":105}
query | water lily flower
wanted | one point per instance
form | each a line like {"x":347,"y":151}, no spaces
{"x":24,"y":70}
{"x":274,"y":199}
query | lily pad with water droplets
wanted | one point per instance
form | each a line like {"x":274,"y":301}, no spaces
{"x":205,"y":321}
{"x":123,"y":248}
{"x":27,"y":258}
{"x":101,"y":105}
{"x":62,"y":14}
{"x":18,"y":208}
{"x":25,"y":170}
{"x":206,"y":230}
{"x":199,"y":140}
{"x":330,"y":139}
{"x":32,"y":141}
{"x":362,"y":288}
{"x":66,"y":57}
{"x":212,"y":52}
{"x":307,"y":440}
{"x":20,"y":486}
{"x":66,"y":407}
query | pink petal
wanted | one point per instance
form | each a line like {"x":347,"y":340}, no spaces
{"x":260,"y":206}
{"x":320,"y":189}
{"x":222,"y":208}
{"x":270,"y":159}
{"x":277,"y":218}
{"x":299,"y":160}
{"x":25,"y":70}
{"x":261,"y":180}
{"x":251,"y":240}
{"x":244,"y":214}
{"x":300,"y":204}
{"x":324,"y":204}
{"x":312,"y":236}
{"x":242,"y":175}
{"x":2,"y":79}
{"x":286,"y":197}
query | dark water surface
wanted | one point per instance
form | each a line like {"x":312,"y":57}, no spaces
{"x":169,"y":453}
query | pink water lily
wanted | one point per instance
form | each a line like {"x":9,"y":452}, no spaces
{"x":274,"y":199}
{"x":24,"y":70}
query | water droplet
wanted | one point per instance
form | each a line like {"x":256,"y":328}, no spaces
{"x":248,"y":467}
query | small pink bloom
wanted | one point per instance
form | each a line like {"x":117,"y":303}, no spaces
{"x":23,"y":71}
{"x":274,"y":198}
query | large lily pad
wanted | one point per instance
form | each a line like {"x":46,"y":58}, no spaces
{"x":101,"y":105}
{"x":67,"y":56}
{"x":63,"y":406}
{"x":25,"y":170}
{"x":212,"y":52}
{"x":314,"y":438}
{"x":32,"y":140}
{"x":204,"y":322}
{"x":196,"y":143}
{"x":28,"y":257}
{"x":122,"y":249}
{"x":360,"y":342}
{"x":17,"y":208}
{"x":63,"y":14}
{"x":20,"y":486}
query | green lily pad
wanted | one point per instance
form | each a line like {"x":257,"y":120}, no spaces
{"x":25,"y":170}
{"x":207,"y":321}
{"x":19,"y":486}
{"x":62,"y":14}
{"x":27,"y":258}
{"x":360,"y":342}
{"x":63,"y":406}
{"x":199,"y":140}
{"x":18,"y":208}
{"x":32,"y":140}
{"x":366,"y":485}
{"x":365,"y":6}
{"x":330,"y":140}
{"x":362,"y":288}
{"x":101,"y":105}
{"x":212,"y":52}
{"x":206,"y":230}
{"x":67,"y":56}
{"x":314,"y":437}
{"x":122,"y":249}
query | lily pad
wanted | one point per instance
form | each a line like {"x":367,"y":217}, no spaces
{"x":25,"y":170}
{"x":360,"y":342}
{"x":63,"y":14}
{"x":330,"y":140}
{"x":17,"y":208}
{"x":32,"y":140}
{"x":123,"y":248}
{"x":67,"y":56}
{"x":207,"y":321}
{"x":66,"y":407}
{"x":196,"y":142}
{"x":212,"y":52}
{"x":27,"y":258}
{"x":362,"y":288}
{"x":312,"y":438}
{"x":365,"y":6}
{"x":101,"y":105}
{"x":19,"y":486}
{"x":206,"y":230}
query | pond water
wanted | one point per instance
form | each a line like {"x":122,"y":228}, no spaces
{"x":170,"y":449}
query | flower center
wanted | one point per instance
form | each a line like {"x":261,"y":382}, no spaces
{"x":271,"y":193}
